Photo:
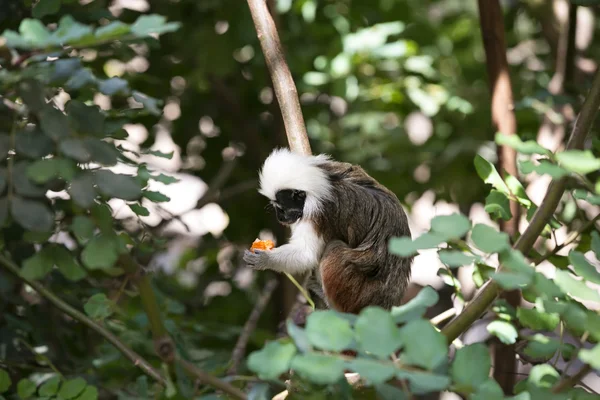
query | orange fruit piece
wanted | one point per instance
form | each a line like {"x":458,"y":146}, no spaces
{"x":262,"y":245}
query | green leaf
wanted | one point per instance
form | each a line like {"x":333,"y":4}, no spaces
{"x":32,"y":215}
{"x":22,"y":184}
{"x":89,"y":393}
{"x":45,"y":7}
{"x":272,"y":360}
{"x":517,"y":189}
{"x":101,"y":252}
{"x":423,"y":382}
{"x":424,"y":346}
{"x":389,"y":392}
{"x":113,"y":86}
{"x":482,"y":273}
{"x":416,"y":307}
{"x":81,"y":78}
{"x":583,"y":268}
{"x":66,"y":263}
{"x":488,"y":239}
{"x":319,"y":368}
{"x":151,"y":104}
{"x":471,"y":367}
{"x":327,"y":331}
{"x":299,"y":336}
{"x":573,"y":287}
{"x":82,"y":190}
{"x":376,"y":332}
{"x":119,"y":186}
{"x":515,"y":142}
{"x":44,"y":170}
{"x":98,"y":307}
{"x":14,"y":40}
{"x":455,"y":258}
{"x":488,"y":390}
{"x":515,"y":261}
{"x":32,"y":93}
{"x":152,"y":23}
{"x":544,"y":167}
{"x":452,"y":226}
{"x":534,"y":319}
{"x":75,"y":149}
{"x":373,"y":371}
{"x":37,"y":266}
{"x":50,"y":387}
{"x":160,"y":154}
{"x":32,"y":143}
{"x":101,"y":152}
{"x":5,"y":381}
{"x":578,"y":161}
{"x":156,"y":197}
{"x":139,"y":209}
{"x":72,"y":387}
{"x":541,"y":347}
{"x":85,"y":119}
{"x":543,"y":375}
{"x":591,"y":356}
{"x":498,"y":205}
{"x":70,"y":31}
{"x":504,"y":331}
{"x":54,"y":123}
{"x":34,"y":32}
{"x":25,"y":388}
{"x":512,"y":280}
{"x":488,"y":173}
{"x":405,"y":246}
{"x":113,"y":30}
{"x":165,"y":179}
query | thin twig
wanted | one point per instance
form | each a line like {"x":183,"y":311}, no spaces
{"x":571,"y":381}
{"x":135,"y":358}
{"x":250,"y":326}
{"x":438,"y":319}
{"x":488,"y":294}
{"x":283,"y":83}
{"x":570,"y":239}
{"x":210,"y":380}
{"x":218,"y":182}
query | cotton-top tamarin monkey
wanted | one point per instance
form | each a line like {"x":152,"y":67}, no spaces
{"x":341,"y":220}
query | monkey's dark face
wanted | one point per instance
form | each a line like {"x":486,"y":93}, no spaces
{"x":289,"y":205}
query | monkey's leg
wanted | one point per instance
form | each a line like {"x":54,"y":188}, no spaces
{"x":348,"y":288}
{"x":315,"y":290}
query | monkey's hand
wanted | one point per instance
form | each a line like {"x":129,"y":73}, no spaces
{"x":257,"y":259}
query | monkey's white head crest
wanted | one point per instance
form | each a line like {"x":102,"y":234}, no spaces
{"x":284,"y":169}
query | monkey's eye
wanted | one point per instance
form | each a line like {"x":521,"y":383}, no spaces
{"x":299,"y":194}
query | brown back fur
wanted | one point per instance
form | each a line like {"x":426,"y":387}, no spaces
{"x":356,"y":269}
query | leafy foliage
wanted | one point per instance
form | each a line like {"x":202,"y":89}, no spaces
{"x":92,"y":97}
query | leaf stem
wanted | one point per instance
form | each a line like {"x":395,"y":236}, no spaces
{"x":135,"y":358}
{"x":541,"y":216}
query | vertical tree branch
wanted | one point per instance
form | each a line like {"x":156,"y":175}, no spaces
{"x":283,"y":83}
{"x":504,"y":121}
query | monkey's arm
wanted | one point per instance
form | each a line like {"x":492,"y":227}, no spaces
{"x":301,"y":254}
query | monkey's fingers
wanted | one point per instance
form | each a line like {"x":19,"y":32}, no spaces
{"x":252,"y":257}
